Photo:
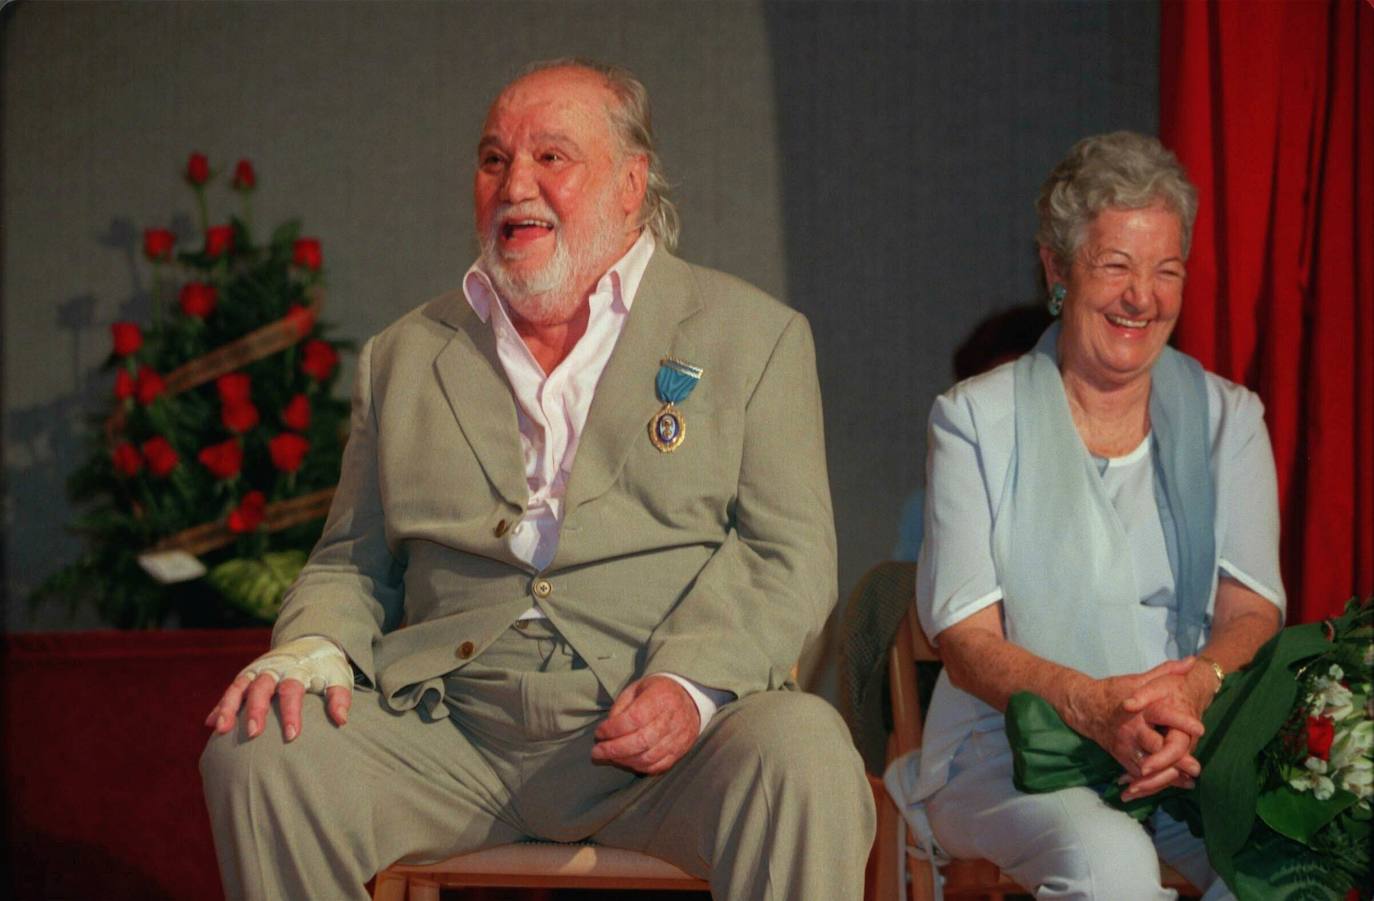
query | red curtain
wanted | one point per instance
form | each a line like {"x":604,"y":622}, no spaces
{"x":1270,"y":106}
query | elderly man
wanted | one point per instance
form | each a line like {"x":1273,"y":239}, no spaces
{"x":582,"y":532}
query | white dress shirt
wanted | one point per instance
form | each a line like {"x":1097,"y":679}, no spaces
{"x":552,"y":410}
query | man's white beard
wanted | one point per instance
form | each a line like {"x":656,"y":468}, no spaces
{"x":551,"y":294}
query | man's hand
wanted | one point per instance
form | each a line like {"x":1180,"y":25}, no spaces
{"x":310,"y":664}
{"x":650,"y":726}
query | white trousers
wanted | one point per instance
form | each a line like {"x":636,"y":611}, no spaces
{"x":1064,"y":844}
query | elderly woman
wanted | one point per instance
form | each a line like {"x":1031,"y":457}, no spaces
{"x":1101,"y":530}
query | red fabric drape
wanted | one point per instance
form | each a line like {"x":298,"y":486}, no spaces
{"x":1270,"y":106}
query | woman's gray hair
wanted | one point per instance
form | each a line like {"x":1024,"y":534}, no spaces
{"x":1123,"y":169}
{"x":631,"y":120}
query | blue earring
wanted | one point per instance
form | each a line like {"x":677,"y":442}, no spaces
{"x":1056,"y":303}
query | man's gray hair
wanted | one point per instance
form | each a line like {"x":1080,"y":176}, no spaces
{"x":1123,"y":169}
{"x":632,"y":122}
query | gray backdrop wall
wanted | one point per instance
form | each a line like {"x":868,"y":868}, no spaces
{"x":872,"y":163}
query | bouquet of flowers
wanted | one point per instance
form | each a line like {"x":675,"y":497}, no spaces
{"x":1283,"y":803}
{"x":208,"y":478}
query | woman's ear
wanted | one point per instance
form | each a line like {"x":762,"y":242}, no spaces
{"x":1053,"y":273}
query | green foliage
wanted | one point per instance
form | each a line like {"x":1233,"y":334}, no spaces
{"x":1273,"y":868}
{"x":125,"y":510}
{"x":257,"y":586}
{"x":1299,"y":817}
{"x":1266,"y":837}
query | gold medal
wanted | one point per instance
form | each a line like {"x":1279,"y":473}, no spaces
{"x":667,"y":428}
{"x":675,"y":380}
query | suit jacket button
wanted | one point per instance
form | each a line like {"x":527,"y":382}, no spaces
{"x":465,"y":650}
{"x":500,"y":528}
{"x":542,"y":588}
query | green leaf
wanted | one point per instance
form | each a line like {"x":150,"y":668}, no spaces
{"x":1251,"y":707}
{"x":1299,"y":816}
{"x":1272,"y":868}
{"x":257,"y":585}
{"x":1050,"y":755}
{"x":285,"y":234}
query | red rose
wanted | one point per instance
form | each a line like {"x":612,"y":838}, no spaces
{"x":157,"y":244}
{"x":223,"y":460}
{"x":197,"y":169}
{"x":302,"y":319}
{"x":296,"y":415}
{"x":306,"y":253}
{"x":247,"y":516}
{"x":234,"y":387}
{"x":288,"y":450}
{"x":124,"y":384}
{"x":244,"y":176}
{"x":127,"y":461}
{"x":239,"y":416}
{"x":127,"y":338}
{"x":148,"y":385}
{"x":198,"y":299}
{"x":219,"y":240}
{"x":1321,"y":731}
{"x":320,"y":359}
{"x":161,"y":456}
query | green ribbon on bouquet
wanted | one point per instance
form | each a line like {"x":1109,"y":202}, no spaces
{"x":1249,"y":710}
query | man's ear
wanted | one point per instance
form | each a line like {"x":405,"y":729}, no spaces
{"x":634,"y":184}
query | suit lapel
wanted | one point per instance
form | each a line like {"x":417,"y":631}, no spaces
{"x":474,"y":383}
{"x":625,"y":400}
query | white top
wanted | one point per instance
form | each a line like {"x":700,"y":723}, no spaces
{"x":971,"y":442}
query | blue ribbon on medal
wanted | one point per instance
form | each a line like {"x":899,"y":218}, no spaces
{"x":673,"y":384}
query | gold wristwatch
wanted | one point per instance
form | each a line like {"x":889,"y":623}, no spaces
{"x":1216,"y":670}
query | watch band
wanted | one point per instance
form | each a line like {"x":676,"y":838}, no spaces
{"x":1216,"y":670}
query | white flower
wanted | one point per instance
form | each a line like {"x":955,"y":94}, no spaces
{"x":1329,"y":696}
{"x":1352,"y":742}
{"x":1315,"y":765}
{"x":1358,"y":778}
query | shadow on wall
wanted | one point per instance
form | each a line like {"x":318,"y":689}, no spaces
{"x":48,"y":441}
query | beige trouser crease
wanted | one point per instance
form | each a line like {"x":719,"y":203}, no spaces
{"x":770,"y":803}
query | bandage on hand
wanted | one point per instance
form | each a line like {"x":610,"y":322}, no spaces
{"x":315,"y":662}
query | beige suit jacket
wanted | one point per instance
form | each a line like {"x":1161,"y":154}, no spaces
{"x":715,"y":561}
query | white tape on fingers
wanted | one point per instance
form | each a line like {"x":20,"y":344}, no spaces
{"x":317,"y":663}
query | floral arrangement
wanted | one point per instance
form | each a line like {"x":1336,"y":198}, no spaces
{"x":209,"y":476}
{"x":1283,"y":803}
{"x":1317,"y":773}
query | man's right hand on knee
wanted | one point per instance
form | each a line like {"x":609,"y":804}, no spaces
{"x":313,"y":663}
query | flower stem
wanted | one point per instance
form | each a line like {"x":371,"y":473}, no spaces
{"x":248,"y":215}
{"x":157,"y":295}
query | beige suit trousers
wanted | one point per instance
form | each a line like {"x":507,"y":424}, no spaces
{"x":771,"y":802}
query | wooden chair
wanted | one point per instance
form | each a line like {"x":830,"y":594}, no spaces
{"x":541,"y":864}
{"x":900,"y":874}
{"x":534,"y":864}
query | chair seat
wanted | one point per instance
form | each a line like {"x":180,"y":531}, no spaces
{"x":536,"y":864}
